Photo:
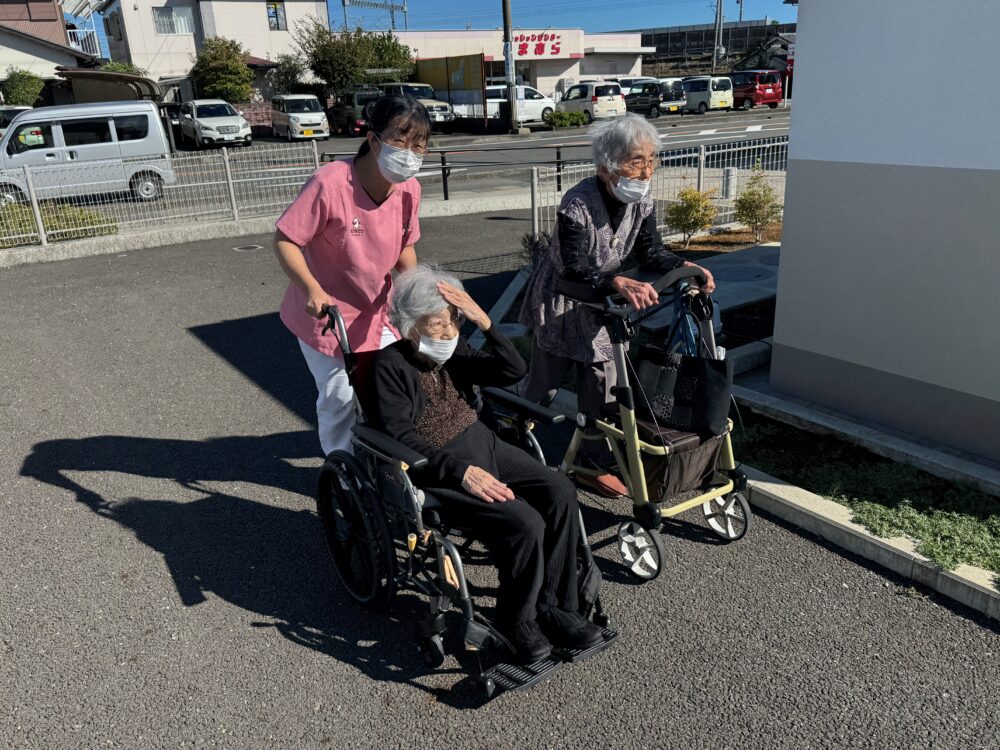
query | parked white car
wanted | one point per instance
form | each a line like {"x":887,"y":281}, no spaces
{"x":298,"y":116}
{"x":86,"y":149}
{"x":213,"y":122}
{"x":595,"y":99}
{"x":532,"y":105}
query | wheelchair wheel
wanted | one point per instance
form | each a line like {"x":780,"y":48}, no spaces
{"x":641,"y":549}
{"x":728,"y":516}
{"x":356,"y":532}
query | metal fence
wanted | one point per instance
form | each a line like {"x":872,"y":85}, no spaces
{"x":722,"y":168}
{"x":68,"y":201}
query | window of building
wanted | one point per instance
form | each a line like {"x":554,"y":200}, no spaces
{"x":173,"y":20}
{"x":132,"y":127}
{"x":276,"y":15}
{"x":86,"y":132}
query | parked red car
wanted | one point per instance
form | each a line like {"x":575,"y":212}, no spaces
{"x":754,"y":88}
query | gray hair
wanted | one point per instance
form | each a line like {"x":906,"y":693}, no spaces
{"x":415,"y":294}
{"x":612,"y":139}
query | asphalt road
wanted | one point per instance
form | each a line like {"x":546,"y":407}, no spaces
{"x":164,"y":581}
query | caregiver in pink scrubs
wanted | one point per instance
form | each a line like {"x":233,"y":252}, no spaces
{"x":338,"y":242}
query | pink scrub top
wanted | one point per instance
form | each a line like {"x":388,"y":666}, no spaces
{"x":351,"y":246}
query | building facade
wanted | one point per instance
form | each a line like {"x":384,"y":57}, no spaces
{"x":550,"y":60}
{"x":163,"y":37}
{"x":33,"y":37}
{"x":887,"y":304}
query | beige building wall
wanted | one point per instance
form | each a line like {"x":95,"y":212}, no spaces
{"x":161,"y":55}
{"x":246,"y":21}
{"x":40,"y":59}
{"x":887,"y":295}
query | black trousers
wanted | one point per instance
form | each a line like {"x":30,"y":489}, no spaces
{"x":533,"y":538}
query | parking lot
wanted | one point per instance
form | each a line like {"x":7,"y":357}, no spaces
{"x":165,"y":581}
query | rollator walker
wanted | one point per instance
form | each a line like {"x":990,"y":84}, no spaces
{"x":385,"y":534}
{"x":667,"y":470}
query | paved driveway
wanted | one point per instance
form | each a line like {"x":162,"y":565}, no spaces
{"x":164,"y":581}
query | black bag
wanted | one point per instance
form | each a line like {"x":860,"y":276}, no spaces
{"x":685,"y":393}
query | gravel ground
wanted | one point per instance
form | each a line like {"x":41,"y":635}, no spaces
{"x":164,"y":581}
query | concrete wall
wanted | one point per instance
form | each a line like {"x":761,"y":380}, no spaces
{"x":246,"y":21}
{"x":887,"y":286}
{"x":40,"y":59}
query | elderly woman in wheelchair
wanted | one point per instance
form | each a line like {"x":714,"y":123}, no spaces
{"x":420,"y":397}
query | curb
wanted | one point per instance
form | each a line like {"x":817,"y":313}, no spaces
{"x":161,"y":237}
{"x":967,"y":585}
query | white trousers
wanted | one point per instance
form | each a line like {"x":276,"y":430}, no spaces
{"x":335,"y":404}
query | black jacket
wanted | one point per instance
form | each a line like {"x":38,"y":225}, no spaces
{"x":395,"y":401}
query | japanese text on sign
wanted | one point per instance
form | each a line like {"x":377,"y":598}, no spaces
{"x":538,"y":45}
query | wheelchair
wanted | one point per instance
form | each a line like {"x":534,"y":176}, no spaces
{"x":667,"y":469}
{"x":385,"y":534}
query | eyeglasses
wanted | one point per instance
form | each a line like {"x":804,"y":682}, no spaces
{"x":639,"y":163}
{"x":418,"y":149}
{"x":438,"y":326}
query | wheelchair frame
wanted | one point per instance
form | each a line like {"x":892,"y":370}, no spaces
{"x":370,"y":500}
{"x":640,"y":544}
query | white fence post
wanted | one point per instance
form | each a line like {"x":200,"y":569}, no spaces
{"x":315,"y":154}
{"x":701,"y":167}
{"x":534,"y":202}
{"x":229,"y":183}
{"x":34,"y":206}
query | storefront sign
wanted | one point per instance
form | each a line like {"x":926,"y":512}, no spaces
{"x":541,"y":44}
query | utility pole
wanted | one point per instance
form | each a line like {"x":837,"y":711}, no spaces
{"x":508,"y":65}
{"x":740,"y":3}
{"x":719,"y":50}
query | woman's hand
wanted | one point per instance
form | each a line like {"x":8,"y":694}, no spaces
{"x":485,"y":486}
{"x":638,"y":293}
{"x":465,"y":305}
{"x":709,"y":286}
{"x":316,"y":301}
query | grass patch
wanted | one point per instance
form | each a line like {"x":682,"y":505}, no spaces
{"x":62,"y":221}
{"x":950,"y":523}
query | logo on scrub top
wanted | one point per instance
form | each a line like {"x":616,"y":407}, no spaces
{"x":356,"y":228}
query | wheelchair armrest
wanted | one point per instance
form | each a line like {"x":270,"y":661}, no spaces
{"x":522,"y":406}
{"x":393,"y":448}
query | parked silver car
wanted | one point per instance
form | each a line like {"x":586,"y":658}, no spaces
{"x":213,"y":122}
{"x":86,"y":149}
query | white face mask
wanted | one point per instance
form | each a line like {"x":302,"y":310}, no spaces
{"x":398,"y":164}
{"x":629,"y":190}
{"x":439,"y":350}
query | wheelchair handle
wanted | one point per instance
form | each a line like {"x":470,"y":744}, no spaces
{"x":335,"y":322}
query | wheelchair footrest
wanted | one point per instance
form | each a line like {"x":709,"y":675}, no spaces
{"x":579,"y":654}
{"x":522,"y":676}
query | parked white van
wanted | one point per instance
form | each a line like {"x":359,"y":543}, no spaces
{"x":86,"y":149}
{"x":708,"y":92}
{"x":532,"y":105}
{"x":298,"y":116}
{"x":595,"y":99}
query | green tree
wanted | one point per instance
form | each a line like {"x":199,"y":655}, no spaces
{"x":122,"y":67}
{"x":693,"y":213}
{"x":220,"y":71}
{"x":756,"y":205}
{"x":22,"y":87}
{"x":345,"y":59}
{"x":286,"y":77}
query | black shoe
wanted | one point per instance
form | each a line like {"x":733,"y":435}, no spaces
{"x":570,"y":629}
{"x":530,"y":644}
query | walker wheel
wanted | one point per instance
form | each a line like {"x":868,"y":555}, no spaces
{"x":602,"y":620}
{"x":641,"y":549}
{"x":432,"y":650}
{"x":728,"y":516}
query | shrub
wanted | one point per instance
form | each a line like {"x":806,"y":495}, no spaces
{"x":347,"y":58}
{"x":122,"y":67}
{"x":559,"y":119}
{"x":286,"y":76}
{"x":532,"y":248}
{"x":756,"y":205}
{"x":693,"y":212}
{"x":22,"y":87}
{"x":221,"y":72}
{"x":64,"y":221}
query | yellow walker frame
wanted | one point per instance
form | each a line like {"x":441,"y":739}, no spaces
{"x":725,"y":506}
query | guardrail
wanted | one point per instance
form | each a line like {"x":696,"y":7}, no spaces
{"x":44,"y":204}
